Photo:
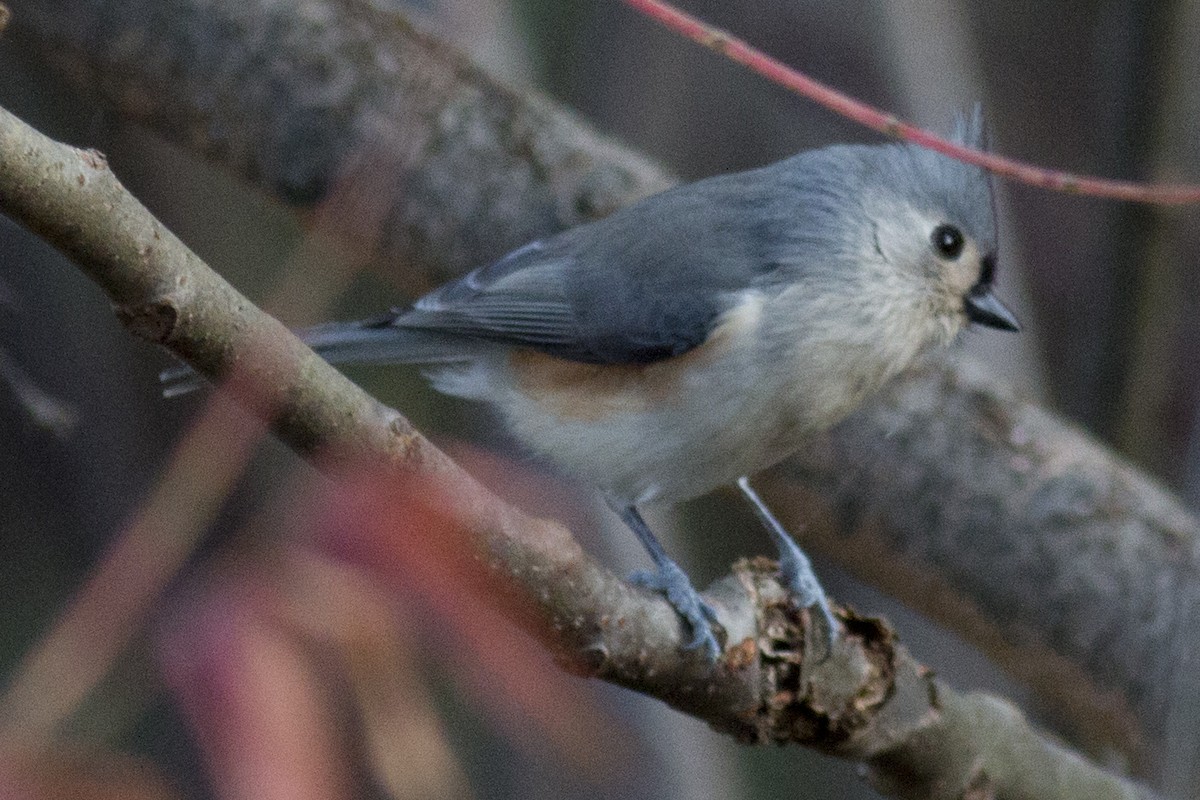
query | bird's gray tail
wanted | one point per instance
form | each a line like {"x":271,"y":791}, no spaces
{"x":377,"y":341}
{"x":371,"y":341}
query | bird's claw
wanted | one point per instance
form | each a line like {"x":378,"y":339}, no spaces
{"x":671,"y":581}
{"x":807,"y":592}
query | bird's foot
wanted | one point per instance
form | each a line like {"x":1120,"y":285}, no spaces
{"x":797,"y":575}
{"x":699,"y":615}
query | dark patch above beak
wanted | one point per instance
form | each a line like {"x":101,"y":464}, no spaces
{"x":983,"y":307}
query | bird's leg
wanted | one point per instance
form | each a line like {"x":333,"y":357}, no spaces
{"x":796,"y":569}
{"x":672,"y":581}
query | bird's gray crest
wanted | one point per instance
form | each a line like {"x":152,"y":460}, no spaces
{"x":944,"y":185}
{"x":970,"y":130}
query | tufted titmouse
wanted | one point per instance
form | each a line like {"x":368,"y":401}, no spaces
{"x":700,"y":335}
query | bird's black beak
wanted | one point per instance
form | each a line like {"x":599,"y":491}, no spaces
{"x":983,"y":307}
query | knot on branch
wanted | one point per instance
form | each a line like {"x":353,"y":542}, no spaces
{"x":154,"y":321}
{"x":828,"y":704}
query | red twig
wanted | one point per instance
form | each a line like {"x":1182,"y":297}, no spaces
{"x":737,"y":50}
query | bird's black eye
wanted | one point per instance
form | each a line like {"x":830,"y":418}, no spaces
{"x":947,"y":241}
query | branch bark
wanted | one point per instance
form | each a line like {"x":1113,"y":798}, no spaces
{"x":869,"y":701}
{"x":1074,"y":570}
{"x":315,"y":102}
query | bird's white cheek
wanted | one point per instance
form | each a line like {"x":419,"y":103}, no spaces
{"x":949,"y":327}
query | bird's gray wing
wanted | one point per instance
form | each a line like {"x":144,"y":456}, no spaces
{"x":644,"y":284}
{"x":518,"y":300}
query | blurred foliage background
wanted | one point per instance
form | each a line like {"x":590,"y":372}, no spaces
{"x":1108,"y":292}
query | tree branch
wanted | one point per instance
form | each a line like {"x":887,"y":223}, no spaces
{"x":346,"y":99}
{"x":737,"y":50}
{"x":869,"y":701}
{"x":1066,"y":564}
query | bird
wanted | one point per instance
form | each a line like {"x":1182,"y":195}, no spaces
{"x":703,"y":334}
